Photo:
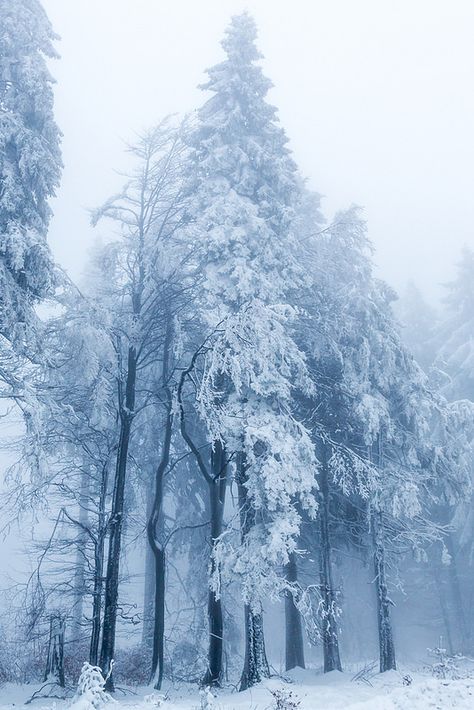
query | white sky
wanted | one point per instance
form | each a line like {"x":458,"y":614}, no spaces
{"x":376,"y":97}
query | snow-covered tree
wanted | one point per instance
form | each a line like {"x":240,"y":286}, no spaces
{"x":30,"y":167}
{"x":90,"y":693}
{"x":138,"y":279}
{"x":246,"y":191}
{"x":79,"y":433}
{"x":371,"y":415}
{"x":30,"y":162}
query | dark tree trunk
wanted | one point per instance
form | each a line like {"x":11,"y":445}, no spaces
{"x":116,"y":522}
{"x":255,"y":662}
{"x":217,"y":490}
{"x":80,"y":568}
{"x":96,"y":603}
{"x":386,"y":643}
{"x":256,"y":666}
{"x":294,"y":648}
{"x":158,"y":654}
{"x":99,"y":556}
{"x":149,"y":586}
{"x":154,"y":527}
{"x":55,"y":660}
{"x":332,"y":660}
{"x":157,"y":548}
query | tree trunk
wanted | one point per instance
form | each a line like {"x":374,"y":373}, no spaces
{"x":155,"y":523}
{"x":149,"y":590}
{"x":332,"y":660}
{"x":386,"y":644}
{"x":79,"y":571}
{"x":217,"y":491}
{"x":116,"y":522}
{"x":97,"y":602}
{"x":99,"y":556}
{"x":158,"y":655}
{"x":294,"y":648}
{"x":255,"y":662}
{"x":157,"y":548}
{"x":54,"y":671}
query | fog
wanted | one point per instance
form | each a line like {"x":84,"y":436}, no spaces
{"x":375,"y":97}
{"x":226,"y":454}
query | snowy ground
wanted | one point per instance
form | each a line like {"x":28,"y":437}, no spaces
{"x":314,"y":692}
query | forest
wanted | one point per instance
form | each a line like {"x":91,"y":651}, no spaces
{"x":236,"y":451}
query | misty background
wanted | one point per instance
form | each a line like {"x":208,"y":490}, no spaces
{"x":375,"y":97}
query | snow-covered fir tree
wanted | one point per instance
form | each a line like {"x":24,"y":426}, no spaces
{"x":230,"y":391}
{"x":246,"y":190}
{"x":30,"y":161}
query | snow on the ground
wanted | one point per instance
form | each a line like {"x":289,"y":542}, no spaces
{"x":332,"y":691}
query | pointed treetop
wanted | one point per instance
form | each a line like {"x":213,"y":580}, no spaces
{"x":245,"y":182}
{"x":238,"y":72}
{"x":240,"y":37}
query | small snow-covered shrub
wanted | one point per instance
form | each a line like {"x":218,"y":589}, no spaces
{"x":207,"y":699}
{"x":445,"y":666}
{"x":90,"y":693}
{"x":155,"y":700}
{"x":285,"y":699}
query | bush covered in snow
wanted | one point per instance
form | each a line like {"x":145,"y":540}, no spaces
{"x":284,"y":699}
{"x":90,"y":693}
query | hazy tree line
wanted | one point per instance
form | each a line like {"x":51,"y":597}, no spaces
{"x":229,"y":387}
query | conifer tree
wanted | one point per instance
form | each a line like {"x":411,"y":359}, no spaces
{"x":30,"y":162}
{"x":246,"y":190}
{"x":371,"y":416}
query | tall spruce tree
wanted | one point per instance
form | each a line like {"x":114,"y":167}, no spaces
{"x":246,"y":190}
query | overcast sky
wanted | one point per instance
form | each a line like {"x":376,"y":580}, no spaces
{"x":376,"y":97}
